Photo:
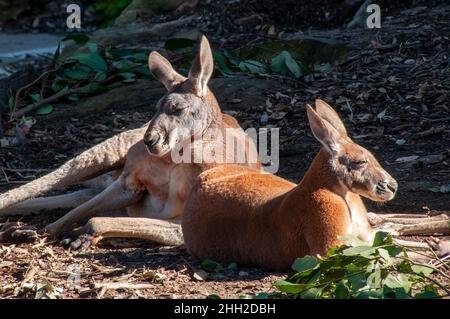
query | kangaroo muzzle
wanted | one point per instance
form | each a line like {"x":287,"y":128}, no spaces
{"x":387,"y":188}
{"x":153,"y":140}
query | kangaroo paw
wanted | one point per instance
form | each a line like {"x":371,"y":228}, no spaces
{"x":17,"y":233}
{"x":440,"y":247}
{"x":82,"y":242}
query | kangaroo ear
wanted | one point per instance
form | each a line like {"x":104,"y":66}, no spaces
{"x":324,"y":132}
{"x":163,"y":70}
{"x":327,"y":113}
{"x":202,"y":68}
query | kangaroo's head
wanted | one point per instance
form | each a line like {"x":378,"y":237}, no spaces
{"x":355,"y":167}
{"x":188,"y":108}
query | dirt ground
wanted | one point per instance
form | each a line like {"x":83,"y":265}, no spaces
{"x":392,"y":90}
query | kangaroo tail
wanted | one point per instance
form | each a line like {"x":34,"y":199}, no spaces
{"x":93,"y":162}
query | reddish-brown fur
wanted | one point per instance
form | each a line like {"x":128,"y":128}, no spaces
{"x":151,"y":184}
{"x":236,"y":214}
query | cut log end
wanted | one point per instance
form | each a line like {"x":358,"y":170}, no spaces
{"x":163,"y":232}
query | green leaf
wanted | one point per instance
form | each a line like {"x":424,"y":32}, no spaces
{"x":10,"y":103}
{"x":283,"y":63}
{"x":311,"y":293}
{"x":382,"y":238}
{"x":44,"y":109}
{"x":232,"y":267}
{"x":356,"y":278}
{"x":92,"y":47}
{"x":385,"y":255}
{"x":100,"y":76}
{"x":77,"y":73}
{"x":424,"y":270}
{"x":143,"y":70}
{"x":59,"y":83}
{"x":252,"y":66}
{"x":139,"y":57}
{"x":353,"y":240}
{"x":289,"y":287}
{"x":77,"y":38}
{"x":374,"y":279}
{"x":92,"y":88}
{"x":127,"y":75}
{"x":305,"y":263}
{"x":232,"y":58}
{"x":92,"y":60}
{"x":323,"y":68}
{"x":341,"y":291}
{"x":35,"y":97}
{"x":221,"y":65}
{"x":398,"y":281}
{"x":426,"y":295}
{"x":209,"y":264}
{"x":394,"y":250}
{"x":124,"y":64}
{"x":292,"y":65}
{"x":262,"y":295}
{"x":359,"y":250}
{"x":429,"y":291}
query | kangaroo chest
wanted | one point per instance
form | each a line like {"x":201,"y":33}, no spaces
{"x":359,"y":225}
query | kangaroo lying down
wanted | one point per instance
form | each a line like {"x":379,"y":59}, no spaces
{"x":237,"y":214}
{"x":146,"y":181}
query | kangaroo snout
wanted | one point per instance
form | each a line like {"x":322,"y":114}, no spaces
{"x":152,"y":139}
{"x":387,"y":188}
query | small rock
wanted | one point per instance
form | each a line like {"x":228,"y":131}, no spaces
{"x":406,"y":159}
{"x":235,"y":101}
{"x":243,"y":273}
{"x":277,"y":115}
{"x":264,"y":118}
{"x":432,"y":159}
{"x":200,"y":275}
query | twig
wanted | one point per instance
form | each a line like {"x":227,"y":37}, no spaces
{"x":426,"y":265}
{"x":57,"y":96}
{"x":123,"y":285}
{"x":35,"y":105}
{"x":6,"y":176}
{"x":16,"y":98}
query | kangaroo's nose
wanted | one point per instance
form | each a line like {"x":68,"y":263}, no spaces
{"x":392,"y":185}
{"x":388,"y":185}
{"x":151,"y":138}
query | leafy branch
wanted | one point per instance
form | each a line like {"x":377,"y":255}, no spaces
{"x":382,"y":270}
{"x":88,"y":71}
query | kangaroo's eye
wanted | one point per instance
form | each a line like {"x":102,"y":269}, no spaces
{"x":177,"y":112}
{"x":357,"y":164}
